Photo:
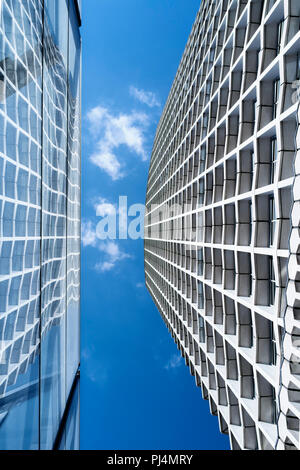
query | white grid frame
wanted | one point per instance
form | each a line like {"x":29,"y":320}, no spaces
{"x":222,"y":291}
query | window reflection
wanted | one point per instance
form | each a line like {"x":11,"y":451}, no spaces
{"x":40,"y":224}
{"x":19,"y":408}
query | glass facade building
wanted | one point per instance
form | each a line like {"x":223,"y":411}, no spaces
{"x":40,"y":107}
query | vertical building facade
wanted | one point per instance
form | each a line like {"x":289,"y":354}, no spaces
{"x":40,"y":107}
{"x":222,"y":217}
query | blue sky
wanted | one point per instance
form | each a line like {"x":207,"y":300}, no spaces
{"x":136,"y":392}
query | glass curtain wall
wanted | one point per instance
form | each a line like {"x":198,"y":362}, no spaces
{"x":40,"y":70}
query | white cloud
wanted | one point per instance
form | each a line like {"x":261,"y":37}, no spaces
{"x":113,"y":255}
{"x":112,"y":131}
{"x":88,"y":234}
{"x":96,"y":117}
{"x":174,"y":362}
{"x":140,"y":285}
{"x":103,"y":207}
{"x":107,"y":161}
{"x":146,"y":97}
{"x":113,"y":250}
{"x":105,"y":266}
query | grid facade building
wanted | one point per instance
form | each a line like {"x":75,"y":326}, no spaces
{"x":222,"y":231}
{"x":40,"y":73}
